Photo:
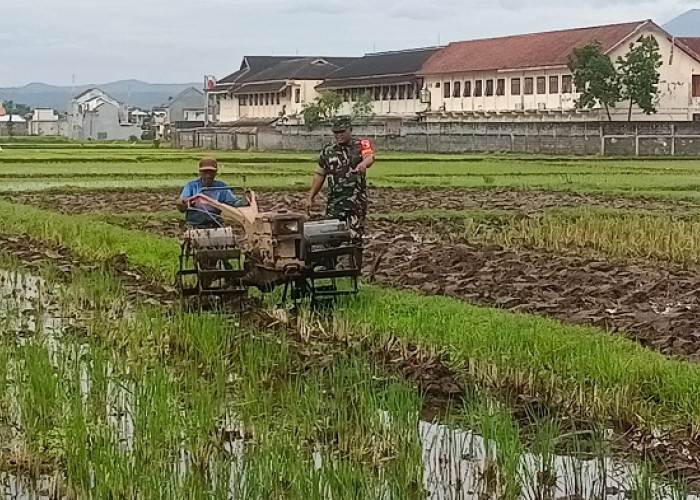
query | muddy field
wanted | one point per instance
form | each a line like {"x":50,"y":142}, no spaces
{"x":655,"y":304}
{"x":382,"y":200}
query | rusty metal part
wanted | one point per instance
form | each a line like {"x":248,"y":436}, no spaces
{"x":310,"y":259}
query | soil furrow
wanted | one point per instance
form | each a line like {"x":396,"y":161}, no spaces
{"x":382,"y":200}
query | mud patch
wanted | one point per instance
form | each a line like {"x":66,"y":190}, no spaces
{"x":139,"y":288}
{"x":656,"y":305}
{"x":382,"y":200}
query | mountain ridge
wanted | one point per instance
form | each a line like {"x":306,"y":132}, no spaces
{"x":131,"y":91}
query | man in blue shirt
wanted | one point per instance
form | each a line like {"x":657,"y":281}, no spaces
{"x":200,"y":214}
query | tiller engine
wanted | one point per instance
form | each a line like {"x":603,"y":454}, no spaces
{"x":315,"y":260}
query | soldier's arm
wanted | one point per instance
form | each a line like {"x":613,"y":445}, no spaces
{"x":317,"y":183}
{"x":367,"y":151}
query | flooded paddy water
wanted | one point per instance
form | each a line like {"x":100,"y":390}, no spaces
{"x":100,"y":397}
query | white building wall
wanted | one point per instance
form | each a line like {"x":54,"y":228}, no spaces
{"x":675,"y":89}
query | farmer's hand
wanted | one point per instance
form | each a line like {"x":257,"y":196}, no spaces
{"x":361,"y":168}
{"x":308,"y":204}
{"x":182,"y":205}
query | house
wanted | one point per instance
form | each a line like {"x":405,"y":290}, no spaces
{"x":94,"y":115}
{"x":47,"y":122}
{"x":12,"y":125}
{"x":186,"y":107}
{"x":265,"y":89}
{"x":525,"y":77}
{"x":390,"y":78}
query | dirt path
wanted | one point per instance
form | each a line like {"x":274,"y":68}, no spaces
{"x":383,"y":200}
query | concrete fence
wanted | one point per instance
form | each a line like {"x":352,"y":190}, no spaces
{"x":564,"y":138}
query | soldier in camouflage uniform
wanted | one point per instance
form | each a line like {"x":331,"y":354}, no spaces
{"x":344,"y":163}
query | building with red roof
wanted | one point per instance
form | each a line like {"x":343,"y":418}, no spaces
{"x":526,"y":77}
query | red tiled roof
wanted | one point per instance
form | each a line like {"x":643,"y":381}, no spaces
{"x":692,"y":43}
{"x":524,"y":51}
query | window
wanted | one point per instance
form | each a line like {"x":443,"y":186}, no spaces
{"x":489,"y":87}
{"x":377,"y":93}
{"x":696,"y":117}
{"x":267,"y":99}
{"x":284,"y":92}
{"x":101,"y":136}
{"x":278,"y":98}
{"x":478,"y":88}
{"x":297,"y":96}
{"x":457,"y":92}
{"x":242,"y":100}
{"x":467,"y":88}
{"x":541,"y":85}
{"x":566,"y":84}
{"x":446,"y":90}
{"x":528,"y":86}
{"x":353,"y":95}
{"x":553,"y":84}
{"x":385,"y":93}
{"x":255,"y":99}
{"x":515,"y":86}
{"x":696,"y":85}
{"x":402,"y":92}
{"x":501,"y":86}
{"x":394,"y":92}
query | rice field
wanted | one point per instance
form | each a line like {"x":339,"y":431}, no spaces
{"x":436,"y":381}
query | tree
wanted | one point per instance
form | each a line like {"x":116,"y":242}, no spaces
{"x":362,"y":109}
{"x":17,"y":108}
{"x":639,"y":74}
{"x":595,"y":77}
{"x":12,"y":109}
{"x":323,"y":108}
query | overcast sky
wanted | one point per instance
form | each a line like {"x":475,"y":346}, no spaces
{"x":178,"y":41}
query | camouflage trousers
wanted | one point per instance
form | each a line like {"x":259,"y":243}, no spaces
{"x":353,"y":215}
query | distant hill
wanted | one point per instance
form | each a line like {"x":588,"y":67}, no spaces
{"x":687,"y":24}
{"x":134,"y":92}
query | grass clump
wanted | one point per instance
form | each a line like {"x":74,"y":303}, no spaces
{"x":599,"y":374}
{"x":92,"y":239}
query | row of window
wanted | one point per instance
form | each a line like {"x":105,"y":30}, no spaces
{"x":267,"y":99}
{"x":486,"y":87}
{"x":383,"y":92}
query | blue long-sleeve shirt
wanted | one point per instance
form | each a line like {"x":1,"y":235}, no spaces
{"x":205,"y":214}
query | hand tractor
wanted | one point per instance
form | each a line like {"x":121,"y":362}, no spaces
{"x":311,"y":260}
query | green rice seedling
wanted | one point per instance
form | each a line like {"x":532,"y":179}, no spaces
{"x":91,"y":238}
{"x":274,"y":467}
{"x":40,"y":396}
{"x":541,"y":475}
{"x":573,"y":468}
{"x":96,"y":291}
{"x":501,"y":475}
{"x":76,"y":456}
{"x":601,"y":451}
{"x":644,"y":486}
{"x":203,"y":409}
{"x":606,"y":377}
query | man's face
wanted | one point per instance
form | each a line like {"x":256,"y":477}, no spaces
{"x":343,"y":136}
{"x":207,"y":176}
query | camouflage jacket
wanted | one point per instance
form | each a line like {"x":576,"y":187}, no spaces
{"x":337,"y":162}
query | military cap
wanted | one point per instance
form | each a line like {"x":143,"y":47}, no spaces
{"x":340,"y":123}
